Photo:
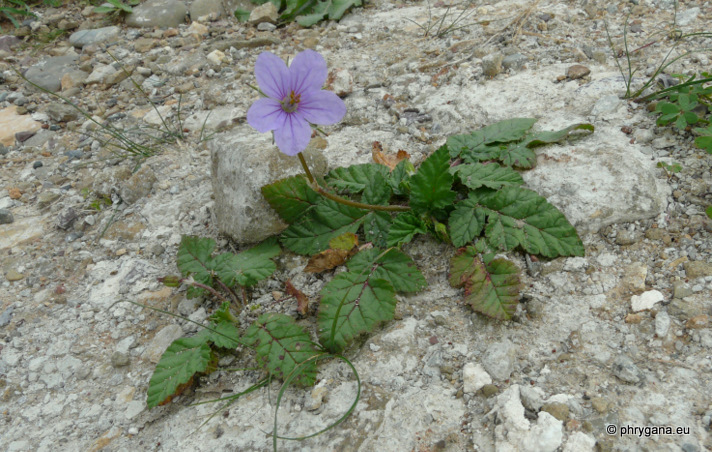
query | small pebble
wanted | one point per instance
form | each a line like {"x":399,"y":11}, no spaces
{"x":37,"y":164}
{"x":6,"y":216}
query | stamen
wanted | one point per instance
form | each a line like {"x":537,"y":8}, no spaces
{"x":291,"y":102}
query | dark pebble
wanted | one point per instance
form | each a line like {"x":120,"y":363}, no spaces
{"x":3,"y":149}
{"x":54,"y":127}
{"x":6,"y":316}
{"x":116,"y":116}
{"x":74,"y":236}
{"x":6,"y":216}
{"x":24,"y":136}
{"x":37,"y":164}
{"x":74,"y":154}
{"x":66,"y":218}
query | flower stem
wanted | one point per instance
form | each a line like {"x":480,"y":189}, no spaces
{"x":315,"y":185}
{"x":306,"y":168}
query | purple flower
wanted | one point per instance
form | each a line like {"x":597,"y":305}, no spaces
{"x":295,"y":99}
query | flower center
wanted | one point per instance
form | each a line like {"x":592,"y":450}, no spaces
{"x":291,"y":102}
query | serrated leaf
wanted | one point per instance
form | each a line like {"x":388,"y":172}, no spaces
{"x":404,"y":227}
{"x":282,"y":345}
{"x":430,"y":186}
{"x":181,"y":360}
{"x":491,"y":289}
{"x":223,"y":332}
{"x":291,"y":197}
{"x":353,"y":304}
{"x":326,"y":220}
{"x":520,"y":217}
{"x":355,"y":178}
{"x":489,"y":175}
{"x":194,"y":255}
{"x":194,"y":259}
{"x":518,"y":156}
{"x":394,"y":266}
{"x":399,"y":178}
{"x":377,"y":191}
{"x":500,"y":132}
{"x":466,"y":222}
{"x":250,"y":266}
{"x":376,"y":227}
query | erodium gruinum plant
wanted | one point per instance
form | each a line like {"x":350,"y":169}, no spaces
{"x":468,"y":193}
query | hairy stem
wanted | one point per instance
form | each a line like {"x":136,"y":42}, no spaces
{"x":315,"y":185}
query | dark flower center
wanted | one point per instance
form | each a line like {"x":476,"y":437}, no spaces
{"x":291,"y":102}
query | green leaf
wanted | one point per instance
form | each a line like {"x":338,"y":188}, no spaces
{"x":181,"y":360}
{"x":290,"y":197}
{"x":353,"y":304}
{"x":674,"y":168}
{"x":355,"y":178}
{"x":680,"y":122}
{"x":394,"y":266}
{"x":339,"y":7}
{"x":466,"y":222}
{"x":708,"y":211}
{"x":549,"y":137}
{"x":704,"y":143}
{"x":666,"y":108}
{"x":377,"y":191}
{"x":282,"y":345}
{"x":404,"y":228}
{"x":430,"y":186}
{"x":249,"y":267}
{"x":376,"y":227}
{"x":223,"y":332}
{"x":399,"y":178}
{"x":491,"y":289}
{"x":520,"y":217}
{"x":690,"y":117}
{"x":242,"y":15}
{"x":489,"y":175}
{"x":317,"y":13}
{"x":194,"y":259}
{"x":518,"y":156}
{"x":500,"y":132}
{"x":327,"y":220}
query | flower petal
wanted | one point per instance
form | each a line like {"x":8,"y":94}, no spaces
{"x":322,"y":107}
{"x":266,"y":114}
{"x":307,"y":71}
{"x":293,"y":137}
{"x":272,"y":75}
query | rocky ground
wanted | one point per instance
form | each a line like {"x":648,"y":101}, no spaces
{"x":619,"y":337}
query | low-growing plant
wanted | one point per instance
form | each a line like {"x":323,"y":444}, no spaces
{"x":468,"y":193}
{"x":675,"y":36}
